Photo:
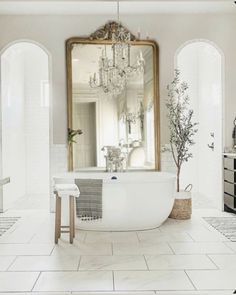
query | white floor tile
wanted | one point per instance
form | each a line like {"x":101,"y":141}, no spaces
{"x":164,"y":237}
{"x":169,"y":221}
{"x":48,"y":236}
{"x":206,"y":236}
{"x":200,"y":248}
{"x":16,"y":238}
{"x":80,"y":248}
{"x":26,"y":249}
{"x":32,"y":240}
{"x":84,"y":293}
{"x":114,"y":293}
{"x":5,"y":262}
{"x":182,"y":229}
{"x":231,"y":245}
{"x":45,"y":263}
{"x":213,"y":279}
{"x":109,"y":237}
{"x":152,"y":230}
{"x":40,"y":293}
{"x":132,"y":262}
{"x":222,"y":292}
{"x":151,"y":280}
{"x":24,"y":230}
{"x":183,"y":226}
{"x":141,"y":248}
{"x":179,"y":262}
{"x":224,"y":261}
{"x":75,"y":281}
{"x":17,"y":281}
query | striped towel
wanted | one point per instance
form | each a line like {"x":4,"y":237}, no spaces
{"x":89,"y":203}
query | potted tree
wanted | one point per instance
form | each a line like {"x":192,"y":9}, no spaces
{"x":182,"y":131}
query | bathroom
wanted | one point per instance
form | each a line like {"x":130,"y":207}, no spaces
{"x":41,"y":104}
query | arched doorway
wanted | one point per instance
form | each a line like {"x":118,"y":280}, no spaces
{"x":25,"y":144}
{"x":201,"y":65}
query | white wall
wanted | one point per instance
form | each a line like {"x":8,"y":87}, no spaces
{"x":188,"y":64}
{"x":84,"y":118}
{"x":25,"y":122}
{"x":201,"y":66}
{"x":109,"y":122}
{"x":13,"y":126}
{"x":36,"y":121}
{"x":211,"y":121}
{"x":170,"y":31}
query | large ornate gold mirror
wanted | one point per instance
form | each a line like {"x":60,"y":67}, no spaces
{"x":113,"y":101}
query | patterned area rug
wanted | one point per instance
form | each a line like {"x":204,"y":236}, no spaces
{"x":225,"y":225}
{"x":6,"y":223}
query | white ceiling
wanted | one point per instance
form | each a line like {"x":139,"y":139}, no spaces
{"x":108,"y":7}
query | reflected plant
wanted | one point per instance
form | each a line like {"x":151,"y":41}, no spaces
{"x":182,"y":127}
{"x":72,"y":133}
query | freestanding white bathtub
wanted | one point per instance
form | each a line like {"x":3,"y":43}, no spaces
{"x":132,"y":201}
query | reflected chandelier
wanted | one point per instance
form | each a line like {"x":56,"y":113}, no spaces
{"x":114,"y":72}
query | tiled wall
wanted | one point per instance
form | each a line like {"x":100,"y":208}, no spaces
{"x":25,"y":123}
{"x":58,"y":165}
{"x":167,"y":162}
{"x":84,"y":118}
{"x":36,"y":122}
{"x":12,"y":108}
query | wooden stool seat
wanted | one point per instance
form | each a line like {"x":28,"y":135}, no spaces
{"x":70,"y":191}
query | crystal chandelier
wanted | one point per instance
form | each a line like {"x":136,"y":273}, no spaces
{"x":114,"y":72}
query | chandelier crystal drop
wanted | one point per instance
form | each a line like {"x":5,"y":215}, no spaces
{"x":114,"y":72}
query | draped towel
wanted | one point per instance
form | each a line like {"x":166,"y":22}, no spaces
{"x":89,"y":203}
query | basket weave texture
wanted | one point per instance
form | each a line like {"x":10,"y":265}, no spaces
{"x":182,"y":209}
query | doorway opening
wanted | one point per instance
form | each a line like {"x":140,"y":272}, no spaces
{"x":85,"y":151}
{"x":201,"y":66}
{"x":25,"y":99}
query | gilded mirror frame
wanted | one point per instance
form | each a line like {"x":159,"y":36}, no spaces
{"x":104,"y":36}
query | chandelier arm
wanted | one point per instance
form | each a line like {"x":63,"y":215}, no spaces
{"x":114,"y":72}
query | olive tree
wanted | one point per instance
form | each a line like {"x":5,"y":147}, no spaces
{"x":182,"y":127}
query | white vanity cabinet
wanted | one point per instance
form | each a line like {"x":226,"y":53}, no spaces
{"x":230,"y":182}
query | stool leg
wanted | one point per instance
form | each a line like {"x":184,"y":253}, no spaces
{"x":74,"y":217}
{"x":57,"y":219}
{"x":71,"y":219}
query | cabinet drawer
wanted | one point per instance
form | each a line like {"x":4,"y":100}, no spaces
{"x":230,"y":188}
{"x":230,"y":175}
{"x":230,"y":201}
{"x":230,"y":163}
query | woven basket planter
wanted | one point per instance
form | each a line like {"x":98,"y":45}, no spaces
{"x":182,"y":208}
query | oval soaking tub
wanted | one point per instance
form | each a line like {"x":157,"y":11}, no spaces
{"x":132,"y":201}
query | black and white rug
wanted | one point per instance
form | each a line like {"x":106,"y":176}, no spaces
{"x":6,"y":223}
{"x":225,"y":225}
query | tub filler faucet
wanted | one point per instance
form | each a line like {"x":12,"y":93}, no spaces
{"x":114,"y":159}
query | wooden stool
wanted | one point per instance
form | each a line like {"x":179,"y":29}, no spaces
{"x":65,"y":191}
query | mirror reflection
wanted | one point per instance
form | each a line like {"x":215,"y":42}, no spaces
{"x":115,"y":115}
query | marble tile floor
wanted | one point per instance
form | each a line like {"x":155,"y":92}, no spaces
{"x":181,"y":257}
